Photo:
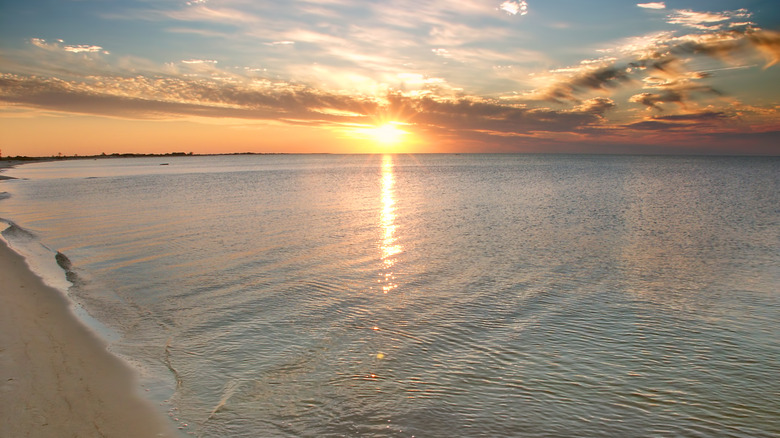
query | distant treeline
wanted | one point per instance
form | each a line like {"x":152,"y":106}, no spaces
{"x":125,"y":155}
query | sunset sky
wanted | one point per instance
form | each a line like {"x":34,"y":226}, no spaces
{"x":344,"y":76}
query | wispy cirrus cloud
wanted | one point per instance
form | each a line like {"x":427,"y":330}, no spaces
{"x":330,"y":36}
{"x":196,"y":12}
{"x":200,"y":13}
{"x":210,"y":33}
{"x":705,"y":20}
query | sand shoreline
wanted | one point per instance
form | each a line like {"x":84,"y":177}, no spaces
{"x":56,"y":377}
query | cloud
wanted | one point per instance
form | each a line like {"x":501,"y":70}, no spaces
{"x":596,"y":105}
{"x":170,"y":97}
{"x":514,"y":7}
{"x":198,"y":12}
{"x":679,"y":91}
{"x":488,"y":116}
{"x":680,"y":122}
{"x":195,"y":31}
{"x":583,"y":80}
{"x":726,"y":44}
{"x":660,"y":62}
{"x":768,"y":44}
{"x":451,"y":34}
{"x":41,"y":43}
{"x":654,"y":100}
{"x":372,"y":40}
{"x":84,"y":48}
{"x":398,"y":55}
{"x":705,"y":116}
{"x":653,"y":125}
{"x":441,"y":52}
{"x":199,"y":61}
{"x":60,"y":46}
{"x":704,"y":20}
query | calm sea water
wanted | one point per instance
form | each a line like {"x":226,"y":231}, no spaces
{"x":428,"y":296}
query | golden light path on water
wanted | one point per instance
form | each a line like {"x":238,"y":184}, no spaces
{"x":389,"y":246}
{"x":439,"y":295}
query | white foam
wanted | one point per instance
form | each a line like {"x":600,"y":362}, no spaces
{"x":38,"y":256}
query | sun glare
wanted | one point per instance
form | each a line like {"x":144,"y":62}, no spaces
{"x":387,"y":134}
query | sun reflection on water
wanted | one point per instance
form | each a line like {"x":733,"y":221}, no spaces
{"x":389,"y":246}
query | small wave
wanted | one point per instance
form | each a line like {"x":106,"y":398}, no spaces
{"x":228,"y":392}
{"x":63,"y":261}
{"x":48,"y":264}
{"x":4,"y":195}
{"x":15,"y":231}
{"x":167,"y":360}
{"x":14,"y":235}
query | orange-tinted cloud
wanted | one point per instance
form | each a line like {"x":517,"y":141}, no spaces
{"x":666,"y":60}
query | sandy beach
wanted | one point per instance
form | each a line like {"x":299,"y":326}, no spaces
{"x":56,"y":377}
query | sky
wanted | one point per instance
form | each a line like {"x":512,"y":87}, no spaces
{"x":361,"y":76}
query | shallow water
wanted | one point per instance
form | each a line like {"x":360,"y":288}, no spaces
{"x":431,"y":295}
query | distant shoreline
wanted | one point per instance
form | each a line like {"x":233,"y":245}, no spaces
{"x":25,"y":159}
{"x":11,"y":161}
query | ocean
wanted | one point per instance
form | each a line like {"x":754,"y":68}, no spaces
{"x":424,"y":295}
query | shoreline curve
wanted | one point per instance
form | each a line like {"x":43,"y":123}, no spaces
{"x":57,"y":378}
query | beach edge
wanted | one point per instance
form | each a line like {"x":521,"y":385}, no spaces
{"x":57,"y":378}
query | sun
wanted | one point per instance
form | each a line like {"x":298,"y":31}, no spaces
{"x":383,"y":134}
{"x":387,"y":134}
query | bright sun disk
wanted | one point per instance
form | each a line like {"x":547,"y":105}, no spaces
{"x":387,"y":134}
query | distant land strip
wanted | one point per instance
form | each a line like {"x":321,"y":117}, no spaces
{"x":134,"y":155}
